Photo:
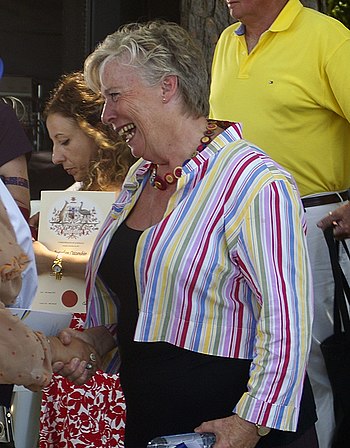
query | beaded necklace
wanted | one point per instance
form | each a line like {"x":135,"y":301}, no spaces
{"x":161,"y":183}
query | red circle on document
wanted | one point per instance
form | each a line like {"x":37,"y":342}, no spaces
{"x":69,"y":298}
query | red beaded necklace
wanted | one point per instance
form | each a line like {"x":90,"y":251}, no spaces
{"x":161,"y":183}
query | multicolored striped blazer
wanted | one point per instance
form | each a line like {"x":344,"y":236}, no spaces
{"x":225,"y":272}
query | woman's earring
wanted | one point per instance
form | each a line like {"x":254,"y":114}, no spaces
{"x":163,"y":99}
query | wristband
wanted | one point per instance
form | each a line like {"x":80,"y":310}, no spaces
{"x":14,"y":180}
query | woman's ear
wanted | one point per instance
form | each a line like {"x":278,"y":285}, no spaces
{"x":169,"y":87}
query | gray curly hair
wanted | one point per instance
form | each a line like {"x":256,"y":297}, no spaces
{"x":157,"y":49}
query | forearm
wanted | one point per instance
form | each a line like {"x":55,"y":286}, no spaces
{"x":15,"y":176}
{"x":22,"y":198}
{"x":73,"y":265}
{"x":25,"y":356}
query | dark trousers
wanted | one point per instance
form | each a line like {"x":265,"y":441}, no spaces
{"x":6,"y":394}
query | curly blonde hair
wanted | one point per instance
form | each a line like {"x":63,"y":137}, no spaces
{"x":73,"y":99}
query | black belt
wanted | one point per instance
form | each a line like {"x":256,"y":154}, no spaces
{"x":330,"y":198}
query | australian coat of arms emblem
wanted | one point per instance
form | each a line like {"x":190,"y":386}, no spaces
{"x":73,"y":219}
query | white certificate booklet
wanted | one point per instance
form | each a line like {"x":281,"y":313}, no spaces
{"x":69,"y":223}
{"x":45,"y":321}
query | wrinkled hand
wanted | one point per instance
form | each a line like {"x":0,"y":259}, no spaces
{"x":84,"y":354}
{"x":231,"y":432}
{"x":340,"y":220}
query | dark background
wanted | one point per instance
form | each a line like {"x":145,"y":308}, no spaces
{"x":42,"y":39}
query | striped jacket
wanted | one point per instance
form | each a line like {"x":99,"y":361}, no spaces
{"x":226,"y":272}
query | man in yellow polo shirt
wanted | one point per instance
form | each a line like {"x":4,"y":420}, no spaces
{"x":283,"y":71}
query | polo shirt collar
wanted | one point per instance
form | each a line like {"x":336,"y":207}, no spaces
{"x":287,"y":16}
{"x":283,"y":20}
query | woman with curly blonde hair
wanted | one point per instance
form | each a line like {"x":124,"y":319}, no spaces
{"x":72,"y":112}
{"x":99,"y":160}
{"x":88,"y":150}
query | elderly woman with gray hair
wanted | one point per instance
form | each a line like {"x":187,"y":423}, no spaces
{"x":200,"y":275}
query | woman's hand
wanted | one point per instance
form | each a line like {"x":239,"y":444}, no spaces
{"x":43,"y":257}
{"x":74,"y":356}
{"x":231,"y":432}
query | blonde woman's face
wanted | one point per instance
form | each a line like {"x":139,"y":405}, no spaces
{"x":72,"y":148}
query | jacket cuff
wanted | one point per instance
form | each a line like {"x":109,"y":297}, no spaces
{"x":284,"y":418}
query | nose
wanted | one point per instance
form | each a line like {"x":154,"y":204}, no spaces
{"x":57,"y":156}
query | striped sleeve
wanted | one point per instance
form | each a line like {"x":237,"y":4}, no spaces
{"x":273,"y":256}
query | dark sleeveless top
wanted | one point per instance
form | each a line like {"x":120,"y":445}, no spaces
{"x":170,"y":390}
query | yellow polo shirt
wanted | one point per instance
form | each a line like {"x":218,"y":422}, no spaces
{"x":291,"y":94}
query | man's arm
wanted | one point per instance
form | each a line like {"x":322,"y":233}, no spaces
{"x":15,"y":176}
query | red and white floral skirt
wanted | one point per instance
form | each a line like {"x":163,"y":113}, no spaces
{"x":88,"y":416}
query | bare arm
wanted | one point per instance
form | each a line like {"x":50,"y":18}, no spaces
{"x":15,"y":175}
{"x":26,"y":356}
{"x":73,"y":265}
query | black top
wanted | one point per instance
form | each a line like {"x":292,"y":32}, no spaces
{"x":170,"y":390}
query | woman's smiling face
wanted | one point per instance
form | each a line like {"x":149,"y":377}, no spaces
{"x":131,"y":106}
{"x":72,"y":148}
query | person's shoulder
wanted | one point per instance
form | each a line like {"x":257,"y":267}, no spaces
{"x":242,"y":163}
{"x":238,"y":150}
{"x":250,"y":157}
{"x":6,"y":112}
{"x":230,"y":30}
{"x":9,"y":121}
{"x":4,"y":107}
{"x":317,"y":20}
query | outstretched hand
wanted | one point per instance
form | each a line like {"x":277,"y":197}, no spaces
{"x":339,"y":219}
{"x":83,"y":358}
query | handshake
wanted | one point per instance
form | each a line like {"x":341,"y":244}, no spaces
{"x":74,"y":354}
